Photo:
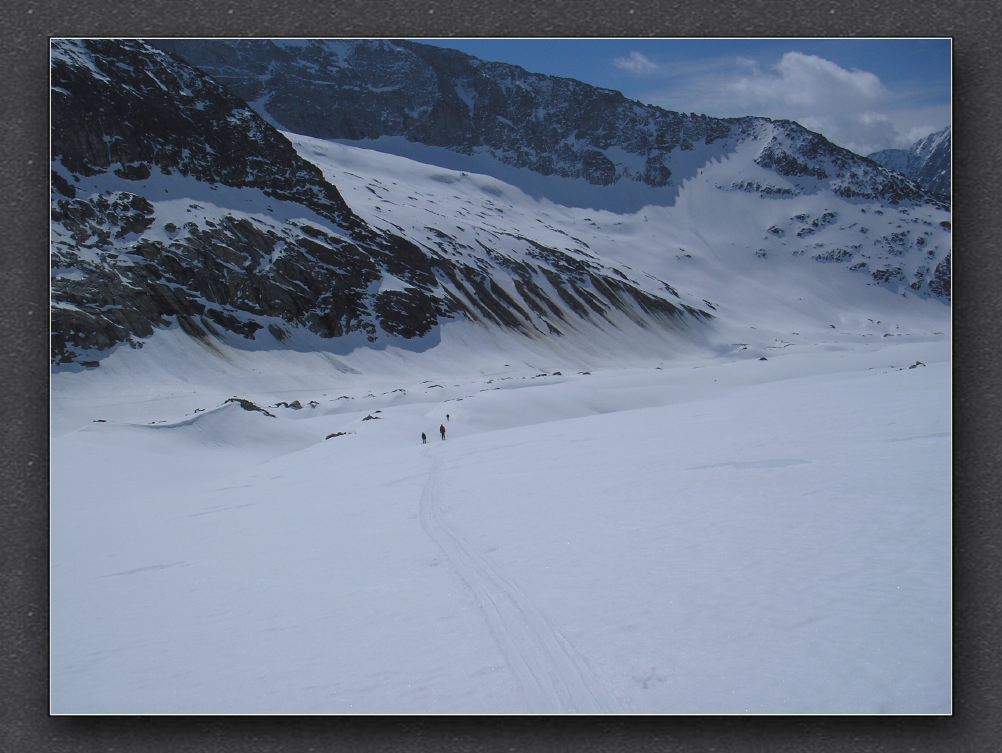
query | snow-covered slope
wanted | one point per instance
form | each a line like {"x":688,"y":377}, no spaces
{"x":698,"y":448}
{"x":175,"y":205}
{"x":755,"y":261}
{"x":927,"y":161}
{"x":714,"y":536}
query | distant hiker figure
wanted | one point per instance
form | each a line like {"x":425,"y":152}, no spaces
{"x":447,"y":418}
{"x":441,"y":430}
{"x":424,"y":438}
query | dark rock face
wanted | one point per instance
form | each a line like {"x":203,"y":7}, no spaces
{"x":940,"y":282}
{"x":123,"y":106}
{"x":927,"y":161}
{"x":358,"y":89}
{"x":234,"y":276}
{"x":248,"y":405}
{"x":906,"y":247}
{"x":407,"y":313}
{"x":123,"y":109}
{"x":834,"y":256}
{"x":441,"y":97}
{"x":175,"y":204}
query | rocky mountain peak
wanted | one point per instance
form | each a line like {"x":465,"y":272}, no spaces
{"x":175,"y":204}
{"x":124,"y":107}
{"x":927,"y":161}
{"x":364,"y":90}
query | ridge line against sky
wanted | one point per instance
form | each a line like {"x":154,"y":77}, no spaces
{"x":863,"y":94}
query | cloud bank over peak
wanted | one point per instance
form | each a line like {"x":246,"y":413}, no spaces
{"x":851,"y":107}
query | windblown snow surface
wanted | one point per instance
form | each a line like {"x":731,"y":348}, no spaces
{"x":609,"y":527}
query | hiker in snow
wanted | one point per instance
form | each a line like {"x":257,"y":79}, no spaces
{"x":424,"y":438}
{"x":441,"y":430}
{"x":447,"y":418}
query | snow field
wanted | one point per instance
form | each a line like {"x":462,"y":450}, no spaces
{"x":718,"y":535}
{"x":667,"y":525}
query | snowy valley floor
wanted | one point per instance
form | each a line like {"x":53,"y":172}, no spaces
{"x":717,"y":535}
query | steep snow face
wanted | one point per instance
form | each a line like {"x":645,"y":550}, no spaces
{"x":927,"y":161}
{"x":932,"y":159}
{"x":741,"y":241}
{"x":176,"y":205}
{"x":395,"y":93}
{"x":774,"y":274}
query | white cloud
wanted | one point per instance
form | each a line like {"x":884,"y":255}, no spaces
{"x":851,"y":107}
{"x":637,"y":63}
{"x":843,"y":104}
{"x":920,"y":132}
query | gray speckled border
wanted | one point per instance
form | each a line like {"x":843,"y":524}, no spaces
{"x":25,"y":724}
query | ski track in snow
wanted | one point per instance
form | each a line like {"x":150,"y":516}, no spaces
{"x":551,"y":673}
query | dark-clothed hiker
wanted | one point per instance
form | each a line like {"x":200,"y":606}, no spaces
{"x":424,"y":438}
{"x":441,"y":430}
{"x":447,"y":418}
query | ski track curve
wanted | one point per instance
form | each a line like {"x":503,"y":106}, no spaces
{"x":551,"y":673}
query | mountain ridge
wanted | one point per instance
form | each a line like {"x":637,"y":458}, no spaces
{"x":365,"y":90}
{"x":927,"y":161}
{"x":176,"y":205}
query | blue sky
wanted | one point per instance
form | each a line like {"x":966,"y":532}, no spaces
{"x":865,"y":94}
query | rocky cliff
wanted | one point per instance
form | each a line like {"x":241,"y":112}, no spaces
{"x":176,"y":204}
{"x":372,"y":89}
{"x":927,"y":161}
